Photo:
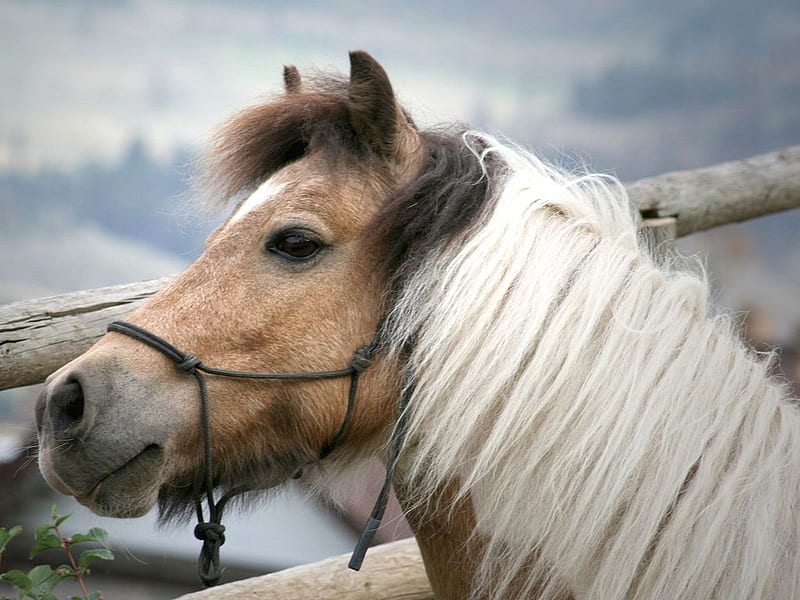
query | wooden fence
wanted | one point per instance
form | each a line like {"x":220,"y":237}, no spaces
{"x":39,"y":336}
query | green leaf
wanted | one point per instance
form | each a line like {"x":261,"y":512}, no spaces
{"x":96,"y":534}
{"x":78,"y":538}
{"x":39,"y":575}
{"x":42,"y":530}
{"x":7,"y":534}
{"x":60,"y":519}
{"x":88,"y":556}
{"x":95,"y":595}
{"x":17,"y":578}
{"x":48,"y":596}
{"x":47,"y":542}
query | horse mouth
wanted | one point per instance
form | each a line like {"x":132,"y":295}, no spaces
{"x":131,"y":489}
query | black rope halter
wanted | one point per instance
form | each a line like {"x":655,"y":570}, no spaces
{"x":212,"y":532}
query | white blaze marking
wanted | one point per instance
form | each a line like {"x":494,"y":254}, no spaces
{"x":267,"y":190}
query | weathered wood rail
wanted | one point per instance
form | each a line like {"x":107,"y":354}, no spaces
{"x":721,"y":194}
{"x":39,"y":336}
{"x":392,"y":572}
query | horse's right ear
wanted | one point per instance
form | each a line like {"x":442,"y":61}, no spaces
{"x":376,"y":114}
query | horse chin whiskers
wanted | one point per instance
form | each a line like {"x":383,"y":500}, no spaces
{"x":251,"y":479}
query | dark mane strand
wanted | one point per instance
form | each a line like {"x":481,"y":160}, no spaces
{"x":445,"y":200}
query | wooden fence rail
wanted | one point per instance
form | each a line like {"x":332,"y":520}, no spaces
{"x":725,"y":193}
{"x":39,"y":336}
{"x":391,"y":572}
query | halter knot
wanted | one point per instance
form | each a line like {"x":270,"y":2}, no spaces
{"x":212,"y":536}
{"x":214,"y":533}
{"x":189,"y":363}
{"x":361,"y":360}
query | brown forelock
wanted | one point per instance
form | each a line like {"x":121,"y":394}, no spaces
{"x":254,"y":144}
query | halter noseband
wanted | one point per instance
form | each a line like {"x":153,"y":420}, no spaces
{"x":212,"y":532}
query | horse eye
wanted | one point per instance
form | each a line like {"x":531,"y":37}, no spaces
{"x":294,"y":245}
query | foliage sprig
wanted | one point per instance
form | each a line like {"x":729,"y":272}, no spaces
{"x":41,"y":581}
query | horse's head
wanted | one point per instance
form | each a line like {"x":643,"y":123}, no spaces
{"x":293,"y":281}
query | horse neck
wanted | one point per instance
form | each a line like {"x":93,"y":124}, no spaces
{"x":444,"y":534}
{"x":451,"y":550}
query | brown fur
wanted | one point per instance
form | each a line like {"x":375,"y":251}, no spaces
{"x":450,"y":548}
{"x":444,"y":533}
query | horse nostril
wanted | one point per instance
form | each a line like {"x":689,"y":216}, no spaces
{"x":67,"y":406}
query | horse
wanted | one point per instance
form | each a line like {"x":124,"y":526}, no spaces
{"x":562,"y":412}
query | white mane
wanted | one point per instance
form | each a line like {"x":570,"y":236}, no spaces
{"x":591,"y":407}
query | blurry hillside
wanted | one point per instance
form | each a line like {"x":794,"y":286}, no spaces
{"x":94,"y":225}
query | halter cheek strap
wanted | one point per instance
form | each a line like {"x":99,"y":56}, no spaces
{"x":212,"y":532}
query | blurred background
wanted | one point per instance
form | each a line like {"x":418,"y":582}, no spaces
{"x":104,"y":104}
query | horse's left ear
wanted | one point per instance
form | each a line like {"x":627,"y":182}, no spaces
{"x":291,"y":79}
{"x":376,"y":114}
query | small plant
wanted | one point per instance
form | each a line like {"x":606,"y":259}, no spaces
{"x":41,"y":581}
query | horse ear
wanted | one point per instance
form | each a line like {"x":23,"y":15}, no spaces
{"x":375,"y":112}
{"x":291,"y":79}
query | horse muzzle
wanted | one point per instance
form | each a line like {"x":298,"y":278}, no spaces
{"x":102,"y":437}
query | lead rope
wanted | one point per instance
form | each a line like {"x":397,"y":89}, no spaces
{"x":212,"y":532}
{"x":396,"y":445}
